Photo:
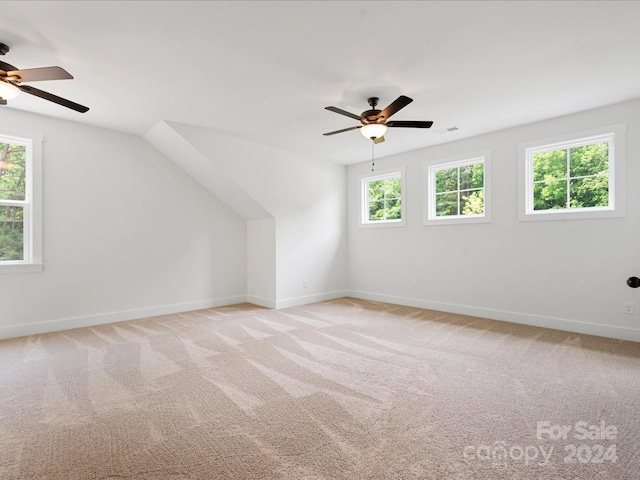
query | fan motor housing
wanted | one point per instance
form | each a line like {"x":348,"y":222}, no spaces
{"x":369,"y":116}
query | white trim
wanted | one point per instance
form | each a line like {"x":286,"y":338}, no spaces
{"x":261,"y":301}
{"x":365,"y":178}
{"x":20,"y":267}
{"x":113,"y":317}
{"x":319,"y":297}
{"x":430,"y":166}
{"x":566,"y":325}
{"x":614,"y":134}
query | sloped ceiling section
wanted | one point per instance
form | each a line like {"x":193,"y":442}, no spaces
{"x":264,"y":71}
{"x":204,"y":169}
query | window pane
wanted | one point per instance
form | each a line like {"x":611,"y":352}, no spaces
{"x":446,"y":204}
{"x":550,"y":195}
{"x":11,"y":238}
{"x":472,"y":202}
{"x":550,"y":165}
{"x":472,"y":176}
{"x":392,"y":187}
{"x":376,"y":210}
{"x":477,"y":176}
{"x":394,"y":209}
{"x":589,"y":160}
{"x":12,"y":171}
{"x":589,"y":192}
{"x":376,"y":190}
{"x":447,"y":180}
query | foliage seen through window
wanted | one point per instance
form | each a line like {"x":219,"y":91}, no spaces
{"x":384,"y":199}
{"x":12,"y":197}
{"x":460,"y":190}
{"x":571,"y":178}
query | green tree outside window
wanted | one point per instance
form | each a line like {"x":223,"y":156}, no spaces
{"x":384,"y":200}
{"x":460,"y":190}
{"x":12,"y":191}
{"x":570,"y":178}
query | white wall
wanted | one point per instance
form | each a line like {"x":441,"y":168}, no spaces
{"x":122,"y":224}
{"x":306,"y":197}
{"x":563,"y":274}
{"x":261,"y":262}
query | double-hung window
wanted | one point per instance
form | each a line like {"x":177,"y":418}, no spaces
{"x":20,"y":203}
{"x":458,"y":190}
{"x":382,"y":198}
{"x":575,"y":176}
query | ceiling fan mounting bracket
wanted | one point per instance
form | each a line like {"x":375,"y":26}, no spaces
{"x":4,"y":49}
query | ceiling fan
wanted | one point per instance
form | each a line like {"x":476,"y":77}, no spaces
{"x":11,"y":80}
{"x":375,"y":122}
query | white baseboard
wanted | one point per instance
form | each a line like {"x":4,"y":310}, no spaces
{"x":319,"y":297}
{"x":261,"y":301}
{"x":515,"y":317}
{"x":99,"y":319}
{"x":112,"y":317}
{"x":601,"y":330}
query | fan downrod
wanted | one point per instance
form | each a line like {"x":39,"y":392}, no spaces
{"x":4,"y":49}
{"x":370,"y":116}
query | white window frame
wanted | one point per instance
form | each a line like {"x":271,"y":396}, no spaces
{"x":32,"y":203}
{"x":365,"y":179}
{"x":613,"y":134}
{"x":430,"y":170}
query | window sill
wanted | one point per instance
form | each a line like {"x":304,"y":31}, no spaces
{"x":458,"y":220}
{"x":399,"y":223}
{"x":21,"y":268}
{"x":568,"y":215}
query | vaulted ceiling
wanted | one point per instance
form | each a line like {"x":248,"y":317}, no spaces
{"x":264,"y":71}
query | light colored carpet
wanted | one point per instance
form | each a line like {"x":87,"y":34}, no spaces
{"x":345,"y":389}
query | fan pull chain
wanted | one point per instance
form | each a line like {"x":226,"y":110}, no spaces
{"x":373,"y":163}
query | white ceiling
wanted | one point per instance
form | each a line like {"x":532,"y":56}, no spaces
{"x":264,"y":71}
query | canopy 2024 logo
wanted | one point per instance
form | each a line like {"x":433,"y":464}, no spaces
{"x":499,"y":454}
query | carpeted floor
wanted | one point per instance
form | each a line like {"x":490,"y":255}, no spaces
{"x":345,"y":389}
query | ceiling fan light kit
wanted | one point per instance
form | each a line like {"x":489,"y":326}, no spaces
{"x":373,"y":130}
{"x":8,"y":91}
{"x":11,"y":80}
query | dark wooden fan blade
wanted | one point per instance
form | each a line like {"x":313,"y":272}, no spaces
{"x":39,"y":74}
{"x":394,"y":107}
{"x":53,"y":98}
{"x":342,"y":112}
{"x":6,"y":67}
{"x":343,"y":130}
{"x":410,"y":124}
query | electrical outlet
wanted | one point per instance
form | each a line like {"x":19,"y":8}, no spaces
{"x":174,"y":290}
{"x":629,"y":308}
{"x":304,"y":284}
{"x":413,"y":285}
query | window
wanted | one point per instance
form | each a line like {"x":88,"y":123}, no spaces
{"x":383,"y":198}
{"x":457,"y":191}
{"x":577,"y":176}
{"x":20,"y":203}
